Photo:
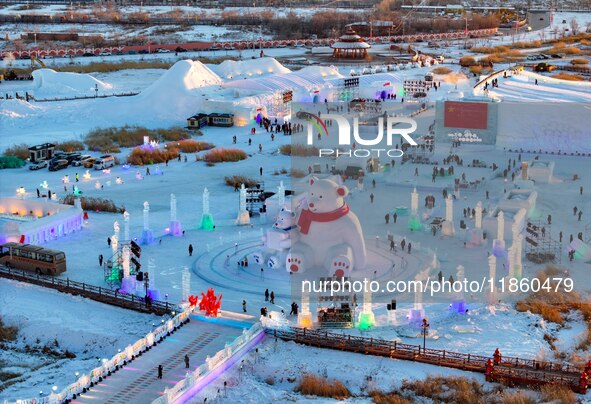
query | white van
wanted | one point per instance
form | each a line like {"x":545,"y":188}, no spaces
{"x":103,"y":162}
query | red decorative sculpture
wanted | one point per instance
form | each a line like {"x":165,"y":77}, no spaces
{"x":210,"y":303}
{"x":193,"y":300}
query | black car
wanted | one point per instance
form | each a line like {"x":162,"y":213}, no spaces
{"x":180,"y":49}
{"x":55,"y":165}
{"x":71,"y":157}
{"x":87,"y":54}
{"x":143,"y":52}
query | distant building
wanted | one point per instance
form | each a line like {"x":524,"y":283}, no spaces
{"x":197,"y":121}
{"x":350,"y":46}
{"x":221,"y":120}
{"x":200,"y":120}
{"x":41,"y":152}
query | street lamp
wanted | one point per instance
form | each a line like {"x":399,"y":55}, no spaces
{"x":425,"y":331}
{"x":146,"y":284}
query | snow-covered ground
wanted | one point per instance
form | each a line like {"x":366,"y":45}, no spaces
{"x":46,"y":318}
{"x":167,"y":99}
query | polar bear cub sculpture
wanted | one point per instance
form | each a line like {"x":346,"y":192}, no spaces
{"x":330,"y":235}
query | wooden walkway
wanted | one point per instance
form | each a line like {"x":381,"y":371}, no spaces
{"x":97,"y":293}
{"x":511,"y":370}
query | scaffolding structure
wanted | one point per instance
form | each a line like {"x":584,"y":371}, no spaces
{"x":348,"y":89}
{"x":255,"y":198}
{"x":335,"y":310}
{"x":540,"y":247}
{"x":113,"y":267}
{"x":280,"y":105}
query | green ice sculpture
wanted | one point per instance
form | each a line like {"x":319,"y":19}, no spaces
{"x":206,"y":217}
{"x":414,"y":223}
{"x":366,"y":321}
{"x":207,"y":222}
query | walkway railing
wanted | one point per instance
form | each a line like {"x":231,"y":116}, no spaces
{"x":97,"y":293}
{"x":213,"y":365}
{"x":517,"y":370}
{"x":105,"y":370}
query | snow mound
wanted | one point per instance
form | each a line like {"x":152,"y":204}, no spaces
{"x":232,"y":69}
{"x":183,"y":77}
{"x":48,"y":81}
{"x":13,"y":109}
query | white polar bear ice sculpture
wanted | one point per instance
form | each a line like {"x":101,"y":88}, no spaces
{"x":278,"y":240}
{"x":330,"y":235}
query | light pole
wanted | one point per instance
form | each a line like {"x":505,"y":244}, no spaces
{"x":425,"y":331}
{"x":146,"y":285}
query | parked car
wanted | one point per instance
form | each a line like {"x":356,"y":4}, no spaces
{"x":87,"y":54}
{"x":180,"y":49}
{"x":105,"y":53}
{"x":132,"y":52}
{"x":71,"y":157}
{"x":80,"y":160}
{"x":59,"y":164}
{"x":103,"y":162}
{"x":143,"y":52}
{"x":162,"y":50}
{"x":38,"y":165}
{"x":89,"y":163}
{"x":556,"y":56}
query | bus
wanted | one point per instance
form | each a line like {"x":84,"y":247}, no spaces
{"x":32,"y":258}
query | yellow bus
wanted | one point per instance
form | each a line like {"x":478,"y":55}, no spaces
{"x":32,"y":258}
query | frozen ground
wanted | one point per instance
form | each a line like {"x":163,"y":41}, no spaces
{"x":62,"y":322}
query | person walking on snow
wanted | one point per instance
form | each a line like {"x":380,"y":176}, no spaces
{"x":266,"y":295}
{"x":272,"y":301}
{"x":244,"y":306}
{"x":186,"y":361}
{"x":100,"y":260}
{"x":190,"y":250}
{"x":160,"y":371}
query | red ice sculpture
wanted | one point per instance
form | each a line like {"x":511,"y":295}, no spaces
{"x":193,"y":300}
{"x":210,"y":303}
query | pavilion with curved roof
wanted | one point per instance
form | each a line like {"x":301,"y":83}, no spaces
{"x":350,"y":46}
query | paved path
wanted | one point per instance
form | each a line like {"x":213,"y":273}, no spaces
{"x":137,"y":382}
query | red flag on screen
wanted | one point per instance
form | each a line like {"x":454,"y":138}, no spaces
{"x":465,"y":115}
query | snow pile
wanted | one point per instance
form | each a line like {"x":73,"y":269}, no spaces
{"x":16,"y":109}
{"x":240,"y":69}
{"x":306,"y":79}
{"x":183,"y":77}
{"x":61,"y":322}
{"x":174,"y":96}
{"x":50,"y":82}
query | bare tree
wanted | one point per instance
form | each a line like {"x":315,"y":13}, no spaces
{"x":574,"y":26}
